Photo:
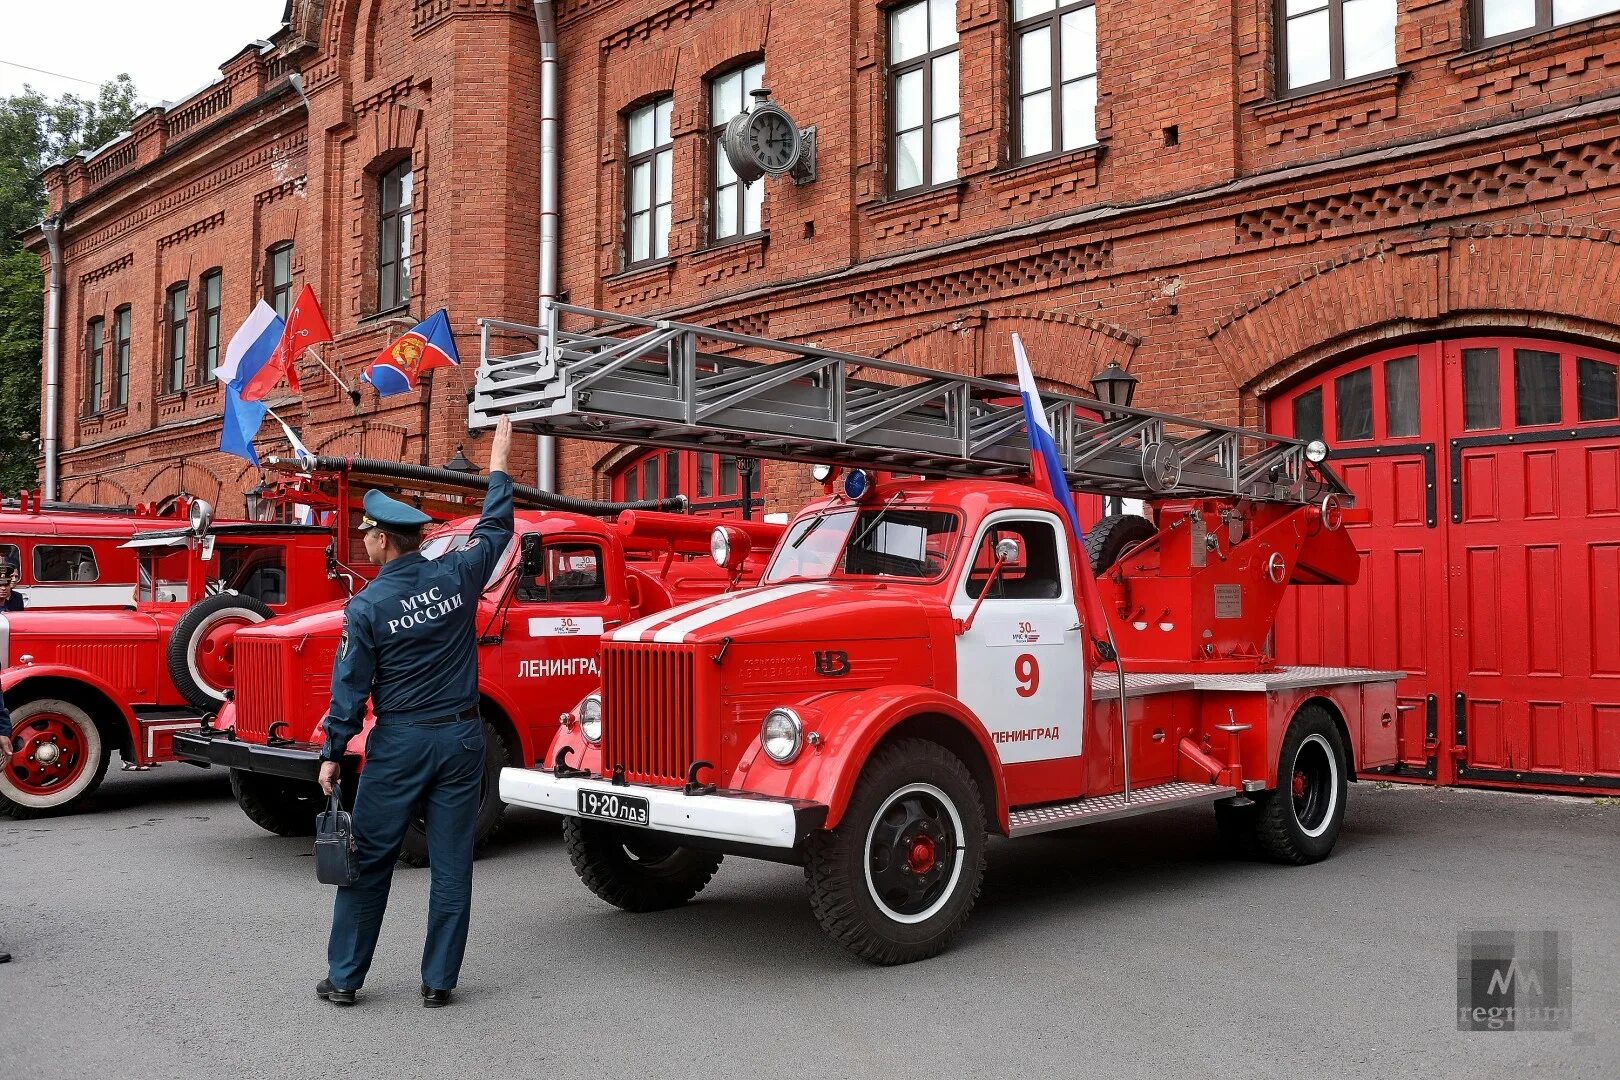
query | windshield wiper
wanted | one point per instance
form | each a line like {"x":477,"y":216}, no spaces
{"x":812,"y":527}
{"x":896,"y":497}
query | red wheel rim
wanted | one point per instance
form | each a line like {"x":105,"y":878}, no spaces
{"x":214,"y":654}
{"x":54,"y":754}
{"x":1299,"y":785}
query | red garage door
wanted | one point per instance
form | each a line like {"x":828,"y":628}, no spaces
{"x":1491,"y":573}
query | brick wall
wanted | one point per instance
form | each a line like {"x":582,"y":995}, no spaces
{"x":1471,"y":187}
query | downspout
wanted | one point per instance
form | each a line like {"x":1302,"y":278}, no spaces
{"x":545,"y":20}
{"x":51,"y":390}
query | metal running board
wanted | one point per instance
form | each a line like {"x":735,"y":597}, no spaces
{"x":672,"y":384}
{"x":1053,"y":816}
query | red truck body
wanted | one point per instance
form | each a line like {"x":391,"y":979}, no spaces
{"x":68,"y":556}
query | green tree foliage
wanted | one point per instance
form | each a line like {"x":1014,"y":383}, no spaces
{"x":35,"y":131}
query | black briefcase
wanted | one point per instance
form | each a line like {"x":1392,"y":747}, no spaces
{"x":334,"y":843}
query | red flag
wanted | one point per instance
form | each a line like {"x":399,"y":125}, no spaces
{"x":306,"y":326}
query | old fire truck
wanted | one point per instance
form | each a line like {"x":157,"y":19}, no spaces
{"x":915,"y":671}
{"x":567,"y":578}
{"x":73,"y":554}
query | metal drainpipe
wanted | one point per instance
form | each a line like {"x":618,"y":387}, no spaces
{"x":51,"y":390}
{"x":545,"y":20}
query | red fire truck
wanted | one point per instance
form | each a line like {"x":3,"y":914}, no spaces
{"x":916,"y":670}
{"x":72,"y":554}
{"x":568,"y":578}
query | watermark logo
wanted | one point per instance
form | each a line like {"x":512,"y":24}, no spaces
{"x":1509,"y":981}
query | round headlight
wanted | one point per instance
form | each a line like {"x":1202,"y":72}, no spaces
{"x":856,"y":484}
{"x":781,"y":735}
{"x":1316,"y":451}
{"x":821,"y":473}
{"x":590,"y":718}
{"x":720,"y":547}
{"x":201,"y":516}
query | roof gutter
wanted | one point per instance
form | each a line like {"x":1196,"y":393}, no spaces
{"x":545,"y":20}
{"x":51,"y":390}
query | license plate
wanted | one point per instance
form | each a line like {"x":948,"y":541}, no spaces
{"x":630,"y":809}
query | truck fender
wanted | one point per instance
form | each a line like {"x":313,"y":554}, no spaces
{"x":850,"y":727}
{"x":507,"y":710}
{"x":16,"y":681}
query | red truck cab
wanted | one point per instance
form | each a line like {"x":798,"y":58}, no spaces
{"x":565,"y":581}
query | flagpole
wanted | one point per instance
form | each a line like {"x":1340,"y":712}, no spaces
{"x":354,"y":395}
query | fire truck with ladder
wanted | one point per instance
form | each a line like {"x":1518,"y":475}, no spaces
{"x":915,"y":670}
{"x":568,"y":577}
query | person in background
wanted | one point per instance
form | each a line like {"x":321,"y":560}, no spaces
{"x":10,"y":598}
{"x":410,"y":645}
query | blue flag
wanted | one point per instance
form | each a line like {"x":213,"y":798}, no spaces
{"x":242,"y":420}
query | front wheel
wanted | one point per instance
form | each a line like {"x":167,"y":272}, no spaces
{"x":636,"y":869}
{"x":896,"y":880}
{"x":55,"y":757}
{"x":284,"y":807}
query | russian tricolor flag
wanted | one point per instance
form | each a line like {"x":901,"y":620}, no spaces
{"x":426,"y":346}
{"x":247,"y":354}
{"x":1047,"y":467}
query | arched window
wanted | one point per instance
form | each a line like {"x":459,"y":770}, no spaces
{"x":715,"y":485}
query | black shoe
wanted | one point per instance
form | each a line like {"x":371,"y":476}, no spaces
{"x":434,"y":999}
{"x":326,"y":990}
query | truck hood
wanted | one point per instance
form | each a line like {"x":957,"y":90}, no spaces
{"x":792,"y":612}
{"x":41,"y":634}
{"x":323,"y":620}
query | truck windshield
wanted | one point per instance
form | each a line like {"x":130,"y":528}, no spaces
{"x":873,"y":542}
{"x":436,"y":547}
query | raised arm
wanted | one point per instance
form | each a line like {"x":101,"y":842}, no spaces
{"x":494,"y":529}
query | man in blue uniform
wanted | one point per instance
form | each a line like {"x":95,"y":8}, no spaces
{"x":410,"y":645}
{"x":10,"y":599}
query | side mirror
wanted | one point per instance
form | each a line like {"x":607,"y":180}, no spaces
{"x":1008,"y":550}
{"x":533,"y":554}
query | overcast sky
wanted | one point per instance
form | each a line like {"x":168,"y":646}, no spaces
{"x":169,"y":47}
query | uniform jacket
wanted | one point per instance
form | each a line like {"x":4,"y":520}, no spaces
{"x":410,"y":638}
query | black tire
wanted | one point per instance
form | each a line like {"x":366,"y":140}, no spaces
{"x":189,"y":631}
{"x":85,"y":749}
{"x":1299,"y":822}
{"x":284,"y":807}
{"x":915,"y":795}
{"x":497,"y":755}
{"x":1113,"y":536}
{"x":635,"y":869}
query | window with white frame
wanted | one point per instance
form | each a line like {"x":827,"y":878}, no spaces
{"x":648,"y":170}
{"x":1055,"y":53}
{"x":735,"y":209}
{"x":924,"y":94}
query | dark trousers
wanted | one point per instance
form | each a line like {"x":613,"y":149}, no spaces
{"x":437,"y":767}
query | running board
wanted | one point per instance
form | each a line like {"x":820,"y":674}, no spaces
{"x":1037,"y":819}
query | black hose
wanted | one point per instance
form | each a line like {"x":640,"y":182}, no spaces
{"x":530,"y":497}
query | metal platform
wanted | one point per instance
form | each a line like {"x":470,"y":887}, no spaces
{"x":1104,"y":687}
{"x":686,"y":387}
{"x":1068,"y":815}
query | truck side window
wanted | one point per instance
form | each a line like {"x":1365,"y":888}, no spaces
{"x":1035,"y":576}
{"x":54,"y":563}
{"x":11,"y":556}
{"x":257,"y":572}
{"x":572,"y":575}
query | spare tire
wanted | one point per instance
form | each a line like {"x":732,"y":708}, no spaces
{"x":199,"y":652}
{"x":1113,"y":536}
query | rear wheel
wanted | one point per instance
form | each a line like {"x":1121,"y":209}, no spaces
{"x":201,"y":656}
{"x":55,"y":757}
{"x":490,"y":808}
{"x":896,"y":880}
{"x":636,"y":869}
{"x":284,"y":807}
{"x":1299,"y":822}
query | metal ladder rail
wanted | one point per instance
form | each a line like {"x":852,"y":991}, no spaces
{"x":656,"y":387}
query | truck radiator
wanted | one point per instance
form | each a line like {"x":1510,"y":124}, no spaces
{"x":647,"y":711}
{"x":258,"y":695}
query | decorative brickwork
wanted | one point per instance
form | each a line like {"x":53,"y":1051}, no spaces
{"x":950,"y":290}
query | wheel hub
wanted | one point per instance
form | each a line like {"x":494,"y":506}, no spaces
{"x":920,"y":859}
{"x":912,"y":853}
{"x":47,"y":753}
{"x":1299,"y":784}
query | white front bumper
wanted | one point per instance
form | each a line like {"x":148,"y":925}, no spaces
{"x":743,"y":820}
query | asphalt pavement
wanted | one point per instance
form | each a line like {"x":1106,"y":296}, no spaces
{"x":161,"y":934}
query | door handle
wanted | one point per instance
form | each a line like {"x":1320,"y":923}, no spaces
{"x":611,"y":622}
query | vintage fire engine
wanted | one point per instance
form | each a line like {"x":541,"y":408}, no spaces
{"x":72,"y":555}
{"x":568,"y":577}
{"x":915,"y":671}
{"x":83,"y":682}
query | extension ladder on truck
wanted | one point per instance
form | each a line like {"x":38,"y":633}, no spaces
{"x":658,"y":382}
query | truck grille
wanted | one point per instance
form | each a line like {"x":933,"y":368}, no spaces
{"x":258,"y":678}
{"x":647,"y":712}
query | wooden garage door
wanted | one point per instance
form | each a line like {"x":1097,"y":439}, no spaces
{"x":1491,"y":573}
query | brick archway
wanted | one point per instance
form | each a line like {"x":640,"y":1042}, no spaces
{"x":1382,"y":292}
{"x":1065,"y":350}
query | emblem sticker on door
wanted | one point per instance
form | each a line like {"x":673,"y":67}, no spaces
{"x":567,"y":626}
{"x":1043,"y":629}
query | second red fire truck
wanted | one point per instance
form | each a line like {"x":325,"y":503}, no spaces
{"x":916,"y":671}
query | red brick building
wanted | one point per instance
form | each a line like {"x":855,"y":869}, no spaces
{"x":1387,"y":221}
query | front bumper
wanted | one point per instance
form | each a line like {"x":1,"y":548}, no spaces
{"x":292,"y":761}
{"x":736,"y":817}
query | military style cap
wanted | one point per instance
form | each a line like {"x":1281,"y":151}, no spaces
{"x":390,"y":513}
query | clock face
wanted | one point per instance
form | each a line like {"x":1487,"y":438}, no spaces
{"x":772,"y":140}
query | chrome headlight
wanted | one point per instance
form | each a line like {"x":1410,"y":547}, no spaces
{"x":200,"y":517}
{"x":781,"y":735}
{"x":720,"y":547}
{"x":1316,"y":451}
{"x":590,"y":718}
{"x":821,"y":473}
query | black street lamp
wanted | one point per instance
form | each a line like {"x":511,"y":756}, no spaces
{"x":1114,"y":385}
{"x":460,"y":464}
